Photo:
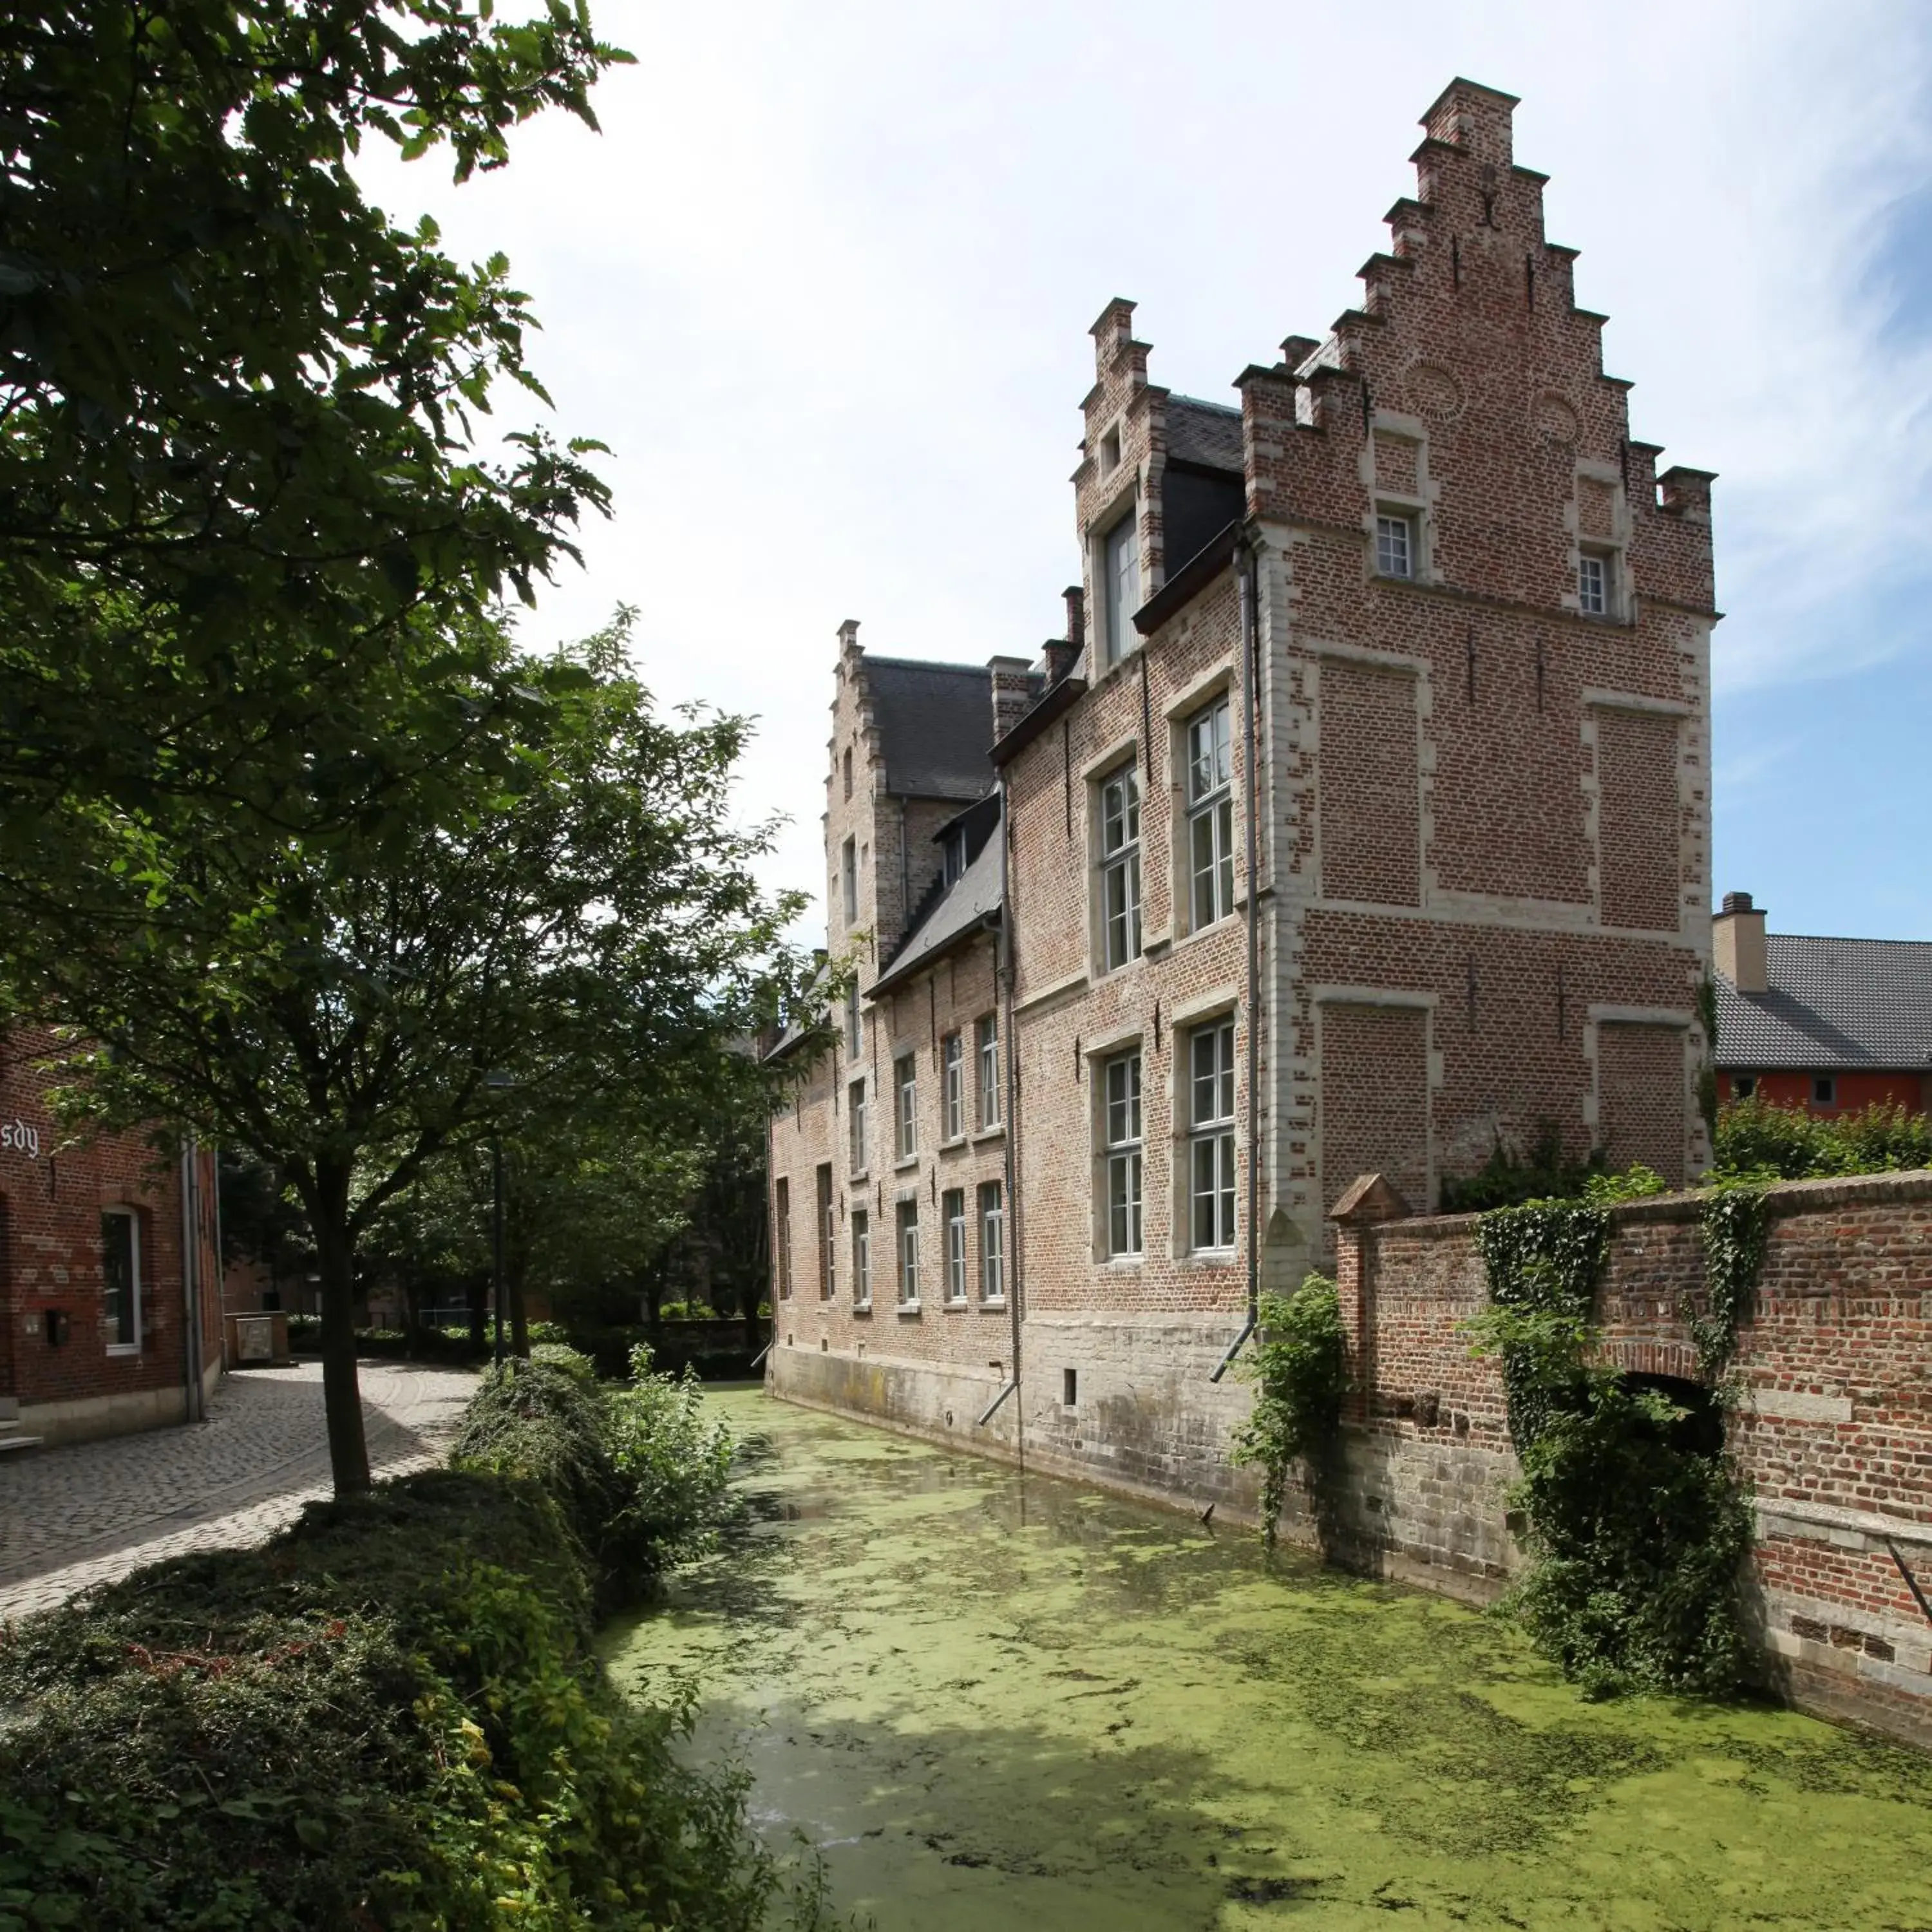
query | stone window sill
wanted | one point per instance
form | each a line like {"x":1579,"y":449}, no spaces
{"x":955,"y":1304}
{"x":993,"y":1133}
{"x":909,"y":1308}
{"x":905,"y":1161}
{"x":994,"y":1304}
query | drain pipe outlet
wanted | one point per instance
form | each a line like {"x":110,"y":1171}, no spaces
{"x":992,"y":1408}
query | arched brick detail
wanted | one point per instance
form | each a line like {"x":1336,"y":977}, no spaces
{"x":1641,"y":1356}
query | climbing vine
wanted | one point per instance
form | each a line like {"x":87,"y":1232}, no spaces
{"x":1297,"y":1367}
{"x":1637,"y":1535}
{"x":1734,"y":1222}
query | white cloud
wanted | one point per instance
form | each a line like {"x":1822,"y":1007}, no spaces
{"x":824,"y":280}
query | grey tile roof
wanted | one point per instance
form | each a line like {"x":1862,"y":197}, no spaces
{"x":970,"y":900}
{"x":936,"y":723}
{"x":1207,"y":433}
{"x":1831,"y":1002}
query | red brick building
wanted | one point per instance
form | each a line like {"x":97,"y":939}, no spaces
{"x":1360,"y":821}
{"x":102,"y":1329}
{"x":1828,"y":1025}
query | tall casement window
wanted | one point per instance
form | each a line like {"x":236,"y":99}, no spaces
{"x":1120,"y":866}
{"x":1596,"y":584}
{"x":855,"y":1112}
{"x":1121,"y":1130}
{"x":905,"y":1085}
{"x":1121,"y":569}
{"x":1211,"y":814}
{"x":1395,"y":544}
{"x":848,"y":771}
{"x":952,"y":1209}
{"x":861,"y":1258}
{"x":986,"y":1034}
{"x":951,"y":1087}
{"x":848,"y":880}
{"x":1210,"y":1138}
{"x":908,"y":1254}
{"x":121,"y":1277}
{"x":781,"y":1235}
{"x":828,"y":1235}
{"x":855,"y":1026}
{"x":992,"y":1243}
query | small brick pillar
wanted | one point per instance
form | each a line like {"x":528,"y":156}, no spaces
{"x":1365,"y":1204}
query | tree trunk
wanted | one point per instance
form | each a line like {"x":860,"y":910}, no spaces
{"x":479,"y":1297}
{"x":520,"y":1320}
{"x":341,"y":1394}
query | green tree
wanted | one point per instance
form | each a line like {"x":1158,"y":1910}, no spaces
{"x":574,"y":914}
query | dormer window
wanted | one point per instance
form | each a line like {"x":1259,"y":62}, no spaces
{"x":956,"y":855}
{"x":1395,"y":544}
{"x":1121,"y":567}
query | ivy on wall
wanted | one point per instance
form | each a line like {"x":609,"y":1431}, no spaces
{"x":1298,"y":1369}
{"x":1637,"y":1537}
{"x":1734,"y":1223}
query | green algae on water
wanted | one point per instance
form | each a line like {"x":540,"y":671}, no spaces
{"x":998,"y":1701}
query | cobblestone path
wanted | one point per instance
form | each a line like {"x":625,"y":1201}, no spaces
{"x":75,"y":1516}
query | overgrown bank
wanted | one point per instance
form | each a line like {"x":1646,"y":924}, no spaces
{"x":391,"y":1716}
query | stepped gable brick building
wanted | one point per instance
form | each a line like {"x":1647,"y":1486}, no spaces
{"x":1828,"y":1025}
{"x":102,"y":1329}
{"x":1360,"y":821}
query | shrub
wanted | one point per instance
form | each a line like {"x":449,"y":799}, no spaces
{"x":1508,"y":1178}
{"x":1758,"y":1140}
{"x":390,"y":1715}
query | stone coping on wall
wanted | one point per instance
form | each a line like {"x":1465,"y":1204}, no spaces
{"x":1782,"y":1198}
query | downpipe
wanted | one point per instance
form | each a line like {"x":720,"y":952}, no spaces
{"x":1008,"y":1047}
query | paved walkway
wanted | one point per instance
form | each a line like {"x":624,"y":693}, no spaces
{"x":73,"y":1517}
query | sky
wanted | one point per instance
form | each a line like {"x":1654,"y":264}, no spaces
{"x":823,"y":281}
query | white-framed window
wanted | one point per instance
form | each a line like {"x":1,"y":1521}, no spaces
{"x":1210,"y":1135}
{"x":1395,"y":544}
{"x":952,"y":856}
{"x":951,"y":1087}
{"x":855,"y":1026}
{"x":1744,"y":1085}
{"x":1121,"y":571}
{"x":1211,"y":814}
{"x":848,"y":871}
{"x":908,"y":1254}
{"x":828,"y":1244}
{"x":905,"y":1086}
{"x":1121,"y":1149}
{"x":860,"y":1118}
{"x":1595,"y":584}
{"x":1824,"y":1090}
{"x":782,"y":1235}
{"x":1120,"y":866}
{"x":986,"y":1032}
{"x":992,"y":1243}
{"x":121,"y":1278}
{"x":861,"y":1258}
{"x":952,"y":1210}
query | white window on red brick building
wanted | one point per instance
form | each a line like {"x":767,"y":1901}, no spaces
{"x":1211,"y":815}
{"x":857,"y":1113}
{"x":1120,"y":1131}
{"x":782,"y":1235}
{"x":987,"y":1036}
{"x":951,"y":1087}
{"x":992,"y":1243}
{"x":905,"y":1085}
{"x":861,"y":1258}
{"x":1121,"y":867}
{"x":121,"y":1278}
{"x":1120,"y":585}
{"x":1595,"y":592}
{"x":1395,"y":544}
{"x":908,"y":1254}
{"x":828,"y":1235}
{"x":952,"y":1210}
{"x":1210,"y":1136}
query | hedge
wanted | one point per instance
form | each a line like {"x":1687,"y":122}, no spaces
{"x":391,"y":1716}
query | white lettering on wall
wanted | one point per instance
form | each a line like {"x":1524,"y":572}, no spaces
{"x":17,"y":1137}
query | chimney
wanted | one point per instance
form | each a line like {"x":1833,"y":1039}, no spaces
{"x":1011,"y":680}
{"x":1058,"y":656}
{"x":1076,"y":617}
{"x":1737,"y":943}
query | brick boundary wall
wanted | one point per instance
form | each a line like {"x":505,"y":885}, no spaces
{"x":1832,"y":1437}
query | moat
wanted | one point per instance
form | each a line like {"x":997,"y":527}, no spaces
{"x":1001,"y":1701}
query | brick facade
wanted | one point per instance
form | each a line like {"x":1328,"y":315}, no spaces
{"x":69,"y":1369}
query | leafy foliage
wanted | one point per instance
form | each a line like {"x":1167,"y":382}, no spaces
{"x":1542,"y":1172}
{"x":1733,"y":1224}
{"x":1298,"y":1366}
{"x":1758,"y":1140}
{"x":390,"y":1715}
{"x":1638,"y":1539}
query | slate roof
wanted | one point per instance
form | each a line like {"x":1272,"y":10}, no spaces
{"x":1832,"y":1003}
{"x":1204,"y":433}
{"x":970,"y":902}
{"x":936,"y":723}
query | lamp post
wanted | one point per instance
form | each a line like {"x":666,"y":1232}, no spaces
{"x":498,"y":1083}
